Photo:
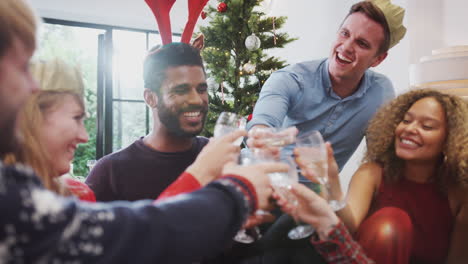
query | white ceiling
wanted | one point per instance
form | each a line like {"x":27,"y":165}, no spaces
{"x":126,"y":13}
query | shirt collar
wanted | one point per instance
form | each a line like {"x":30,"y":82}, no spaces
{"x":363,"y":86}
{"x":361,"y":91}
{"x":326,"y":78}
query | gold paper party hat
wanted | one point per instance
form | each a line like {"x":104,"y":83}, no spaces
{"x":394,"y":15}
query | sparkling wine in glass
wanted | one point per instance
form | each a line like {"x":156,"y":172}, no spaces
{"x":281,"y":182}
{"x":277,"y":179}
{"x":313,"y":153}
{"x":229,"y":122}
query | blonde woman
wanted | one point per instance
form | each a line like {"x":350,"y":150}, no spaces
{"x":51,"y":126}
{"x":38,"y":226}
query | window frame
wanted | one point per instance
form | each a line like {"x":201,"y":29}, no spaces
{"x":105,"y":99}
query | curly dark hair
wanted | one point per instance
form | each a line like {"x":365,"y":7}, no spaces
{"x":381,"y":137}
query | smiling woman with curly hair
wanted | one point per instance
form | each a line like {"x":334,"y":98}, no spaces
{"x":408,"y":202}
{"x":380,"y":136}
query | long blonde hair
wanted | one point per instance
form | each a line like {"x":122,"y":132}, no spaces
{"x":57,"y":80}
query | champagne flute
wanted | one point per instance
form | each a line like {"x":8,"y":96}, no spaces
{"x":90,"y":164}
{"x":229,"y":122}
{"x":226,"y":123}
{"x":313,"y":152}
{"x":280,"y":181}
{"x":312,"y":147}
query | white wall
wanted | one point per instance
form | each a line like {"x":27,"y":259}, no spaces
{"x":427,"y":27}
{"x":455,"y":20}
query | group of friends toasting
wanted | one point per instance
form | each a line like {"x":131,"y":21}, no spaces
{"x":173,"y":196}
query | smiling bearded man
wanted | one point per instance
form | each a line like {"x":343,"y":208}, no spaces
{"x":176,"y":92}
{"x":182,"y":101}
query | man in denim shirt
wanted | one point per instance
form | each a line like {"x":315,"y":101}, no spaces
{"x":338,"y":95}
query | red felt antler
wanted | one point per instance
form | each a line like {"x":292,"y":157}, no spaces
{"x":195,"y":7}
{"x":161,"y":9}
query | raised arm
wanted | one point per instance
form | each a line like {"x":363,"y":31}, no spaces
{"x":276,"y":98}
{"x":208,"y":165}
{"x":362,"y":189}
{"x":218,"y":152}
{"x":332,"y":239}
{"x":38,"y":225}
{"x":360,"y":192}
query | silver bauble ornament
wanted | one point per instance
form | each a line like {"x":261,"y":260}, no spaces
{"x":265,"y":7}
{"x":252,"y":42}
{"x":211,"y":83}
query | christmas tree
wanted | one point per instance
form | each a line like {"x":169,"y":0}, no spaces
{"x":236,"y":39}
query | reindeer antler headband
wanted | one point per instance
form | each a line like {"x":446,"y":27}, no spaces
{"x":161,"y":10}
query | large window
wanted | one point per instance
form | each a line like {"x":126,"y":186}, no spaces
{"x":111,"y":60}
{"x":131,"y":117}
{"x":78,"y":46}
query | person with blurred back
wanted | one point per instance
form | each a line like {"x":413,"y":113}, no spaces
{"x":38,"y":225}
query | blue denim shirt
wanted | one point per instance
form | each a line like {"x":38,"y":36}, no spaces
{"x":301,"y":95}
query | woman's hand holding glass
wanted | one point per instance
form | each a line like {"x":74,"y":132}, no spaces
{"x":316,"y":161}
{"x":310,"y":209}
{"x":323,"y":171}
